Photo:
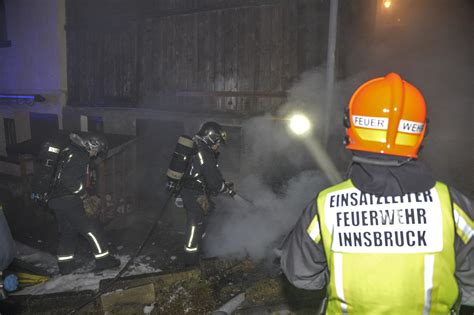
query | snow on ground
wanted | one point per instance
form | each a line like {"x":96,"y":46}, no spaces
{"x":37,"y":258}
{"x":79,"y":281}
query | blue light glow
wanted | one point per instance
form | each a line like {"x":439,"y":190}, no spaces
{"x":29,"y":97}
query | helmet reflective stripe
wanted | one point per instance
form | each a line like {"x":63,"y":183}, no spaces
{"x":410,"y":126}
{"x":101,"y":255}
{"x":370,"y":122}
{"x":79,"y":189}
{"x":99,"y":250}
{"x":53,"y":149}
{"x":65,"y":258}
{"x":190,"y":241}
{"x":464,"y":225}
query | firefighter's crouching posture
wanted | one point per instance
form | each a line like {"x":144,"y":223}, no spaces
{"x":390,"y":239}
{"x":202,"y":180}
{"x":69,"y":191}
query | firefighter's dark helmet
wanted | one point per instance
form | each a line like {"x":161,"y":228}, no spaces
{"x":95,"y":142}
{"x":212,"y":133}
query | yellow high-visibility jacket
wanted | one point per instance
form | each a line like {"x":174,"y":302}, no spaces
{"x":408,"y":254}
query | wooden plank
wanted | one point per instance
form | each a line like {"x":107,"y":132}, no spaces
{"x":145,"y":61}
{"x":230,"y":65}
{"x":71,"y":44}
{"x":170,"y":67}
{"x":205,"y":42}
{"x":219,"y":77}
{"x":193,"y":58}
{"x":248,"y":61}
{"x":144,"y":295}
{"x":277,"y":94}
{"x":264,"y":82}
{"x":292,"y":10}
{"x":276,"y":54}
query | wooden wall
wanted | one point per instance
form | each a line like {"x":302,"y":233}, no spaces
{"x":235,"y":56}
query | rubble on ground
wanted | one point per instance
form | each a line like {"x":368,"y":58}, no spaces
{"x":198,"y":290}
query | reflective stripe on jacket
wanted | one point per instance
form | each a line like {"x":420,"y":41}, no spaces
{"x":389,"y":254}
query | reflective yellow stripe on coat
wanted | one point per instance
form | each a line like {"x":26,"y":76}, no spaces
{"x":391,"y":255}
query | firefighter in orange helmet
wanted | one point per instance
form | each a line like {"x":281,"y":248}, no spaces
{"x":390,"y":239}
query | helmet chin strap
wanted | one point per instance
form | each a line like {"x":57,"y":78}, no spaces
{"x":393,"y":163}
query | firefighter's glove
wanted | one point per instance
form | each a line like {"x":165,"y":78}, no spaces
{"x":91,"y":206}
{"x":205,"y":203}
{"x":230,"y":189}
{"x":36,"y":197}
{"x":40,"y":199}
{"x":229,"y":185}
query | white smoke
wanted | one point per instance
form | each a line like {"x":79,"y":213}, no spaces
{"x":240,"y":229}
{"x":280,"y":179}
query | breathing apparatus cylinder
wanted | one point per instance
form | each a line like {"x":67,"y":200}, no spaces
{"x":44,"y":169}
{"x":179,"y":161}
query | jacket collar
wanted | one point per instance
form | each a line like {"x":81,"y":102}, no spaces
{"x":411,"y":176}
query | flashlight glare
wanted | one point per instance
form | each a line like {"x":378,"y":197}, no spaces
{"x":387,"y":4}
{"x":299,"y":124}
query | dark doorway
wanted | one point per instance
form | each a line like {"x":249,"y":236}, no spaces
{"x":156,"y":143}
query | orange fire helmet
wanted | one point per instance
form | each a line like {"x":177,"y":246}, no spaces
{"x":386,"y":115}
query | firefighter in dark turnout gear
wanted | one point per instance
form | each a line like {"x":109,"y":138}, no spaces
{"x":202,"y":180}
{"x":390,"y":239}
{"x":72,"y":178}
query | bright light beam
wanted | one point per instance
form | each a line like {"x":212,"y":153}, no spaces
{"x":299,"y":124}
{"x":387,"y":4}
{"x":323,"y":160}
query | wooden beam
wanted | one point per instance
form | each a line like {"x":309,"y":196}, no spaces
{"x":279,"y":94}
{"x":123,"y":21}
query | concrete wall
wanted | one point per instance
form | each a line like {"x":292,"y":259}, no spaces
{"x":36,"y":61}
